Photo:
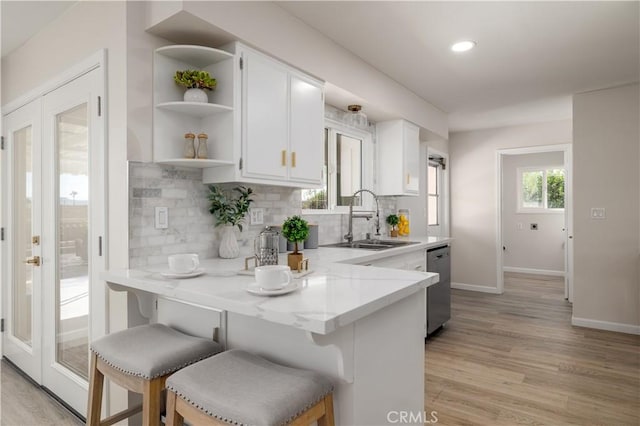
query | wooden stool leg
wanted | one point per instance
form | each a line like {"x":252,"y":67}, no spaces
{"x":173,"y":417}
{"x":327,"y":419}
{"x":96,"y":382}
{"x":151,"y":402}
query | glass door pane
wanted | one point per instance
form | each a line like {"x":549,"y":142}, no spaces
{"x":72,"y":283}
{"x":22,"y":214}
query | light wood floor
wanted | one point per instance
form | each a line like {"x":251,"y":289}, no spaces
{"x":24,"y":404}
{"x":515,"y":359}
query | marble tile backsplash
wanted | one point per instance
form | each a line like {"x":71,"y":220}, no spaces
{"x":191,"y":226}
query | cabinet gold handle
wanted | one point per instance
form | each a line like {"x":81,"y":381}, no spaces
{"x":284,"y":158}
{"x":408,"y":178}
{"x":293,"y":159}
{"x":35,"y":260}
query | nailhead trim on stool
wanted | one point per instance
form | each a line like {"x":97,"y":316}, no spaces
{"x":140,"y":359}
{"x":244,"y":389}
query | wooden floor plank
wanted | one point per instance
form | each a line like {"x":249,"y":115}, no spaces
{"x":570,"y":375}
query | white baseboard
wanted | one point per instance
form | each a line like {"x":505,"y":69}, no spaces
{"x":533,"y":271}
{"x":606,"y":325}
{"x":474,"y":287}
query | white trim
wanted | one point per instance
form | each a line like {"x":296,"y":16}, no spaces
{"x":96,"y":60}
{"x":548,"y":272}
{"x":606,"y":325}
{"x":475,"y":287}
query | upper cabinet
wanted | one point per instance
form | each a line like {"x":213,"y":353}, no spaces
{"x":265,"y":119}
{"x":399,"y":158}
{"x":173,"y":117}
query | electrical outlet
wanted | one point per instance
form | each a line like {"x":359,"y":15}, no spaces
{"x":257,"y":216}
{"x":598,"y":213}
{"x":162,"y":218}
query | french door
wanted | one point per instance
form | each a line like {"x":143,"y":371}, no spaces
{"x":56,"y":223}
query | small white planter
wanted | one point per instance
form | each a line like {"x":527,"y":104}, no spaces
{"x":228,"y":243}
{"x":196,"y":95}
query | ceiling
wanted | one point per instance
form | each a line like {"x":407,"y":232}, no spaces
{"x":21,"y":20}
{"x":530,"y":57}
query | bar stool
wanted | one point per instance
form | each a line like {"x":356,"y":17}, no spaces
{"x":240,"y":388}
{"x":140,"y":359}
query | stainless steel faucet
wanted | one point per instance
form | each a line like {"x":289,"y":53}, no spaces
{"x":349,"y":235}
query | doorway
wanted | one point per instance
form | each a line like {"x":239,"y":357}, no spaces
{"x":534,"y":213}
{"x":54,"y":212}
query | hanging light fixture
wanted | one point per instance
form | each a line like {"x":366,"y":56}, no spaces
{"x":357,"y":118}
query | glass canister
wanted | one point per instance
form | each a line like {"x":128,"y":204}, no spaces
{"x":202,"y":146}
{"x":403,"y":226}
{"x":189,"y":150}
{"x":266,"y":246}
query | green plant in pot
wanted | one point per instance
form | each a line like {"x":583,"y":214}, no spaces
{"x":196,"y":83}
{"x":295,"y":229}
{"x":229,"y":211}
{"x":393,"y":221}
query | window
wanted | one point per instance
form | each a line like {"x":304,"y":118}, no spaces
{"x":540,"y":189}
{"x":348,"y":164}
{"x":433,"y":193}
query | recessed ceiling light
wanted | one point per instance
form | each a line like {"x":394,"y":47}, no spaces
{"x":463,"y":46}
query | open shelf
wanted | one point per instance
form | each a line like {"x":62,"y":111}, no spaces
{"x":194,"y":109}
{"x":195,"y":163}
{"x":198,"y":56}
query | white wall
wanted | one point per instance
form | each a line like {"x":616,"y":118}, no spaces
{"x":541,"y":250}
{"x":275,"y":31}
{"x":606,"y":171}
{"x":472,"y":156}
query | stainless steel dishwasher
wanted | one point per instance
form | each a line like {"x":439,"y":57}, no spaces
{"x":439,"y":295}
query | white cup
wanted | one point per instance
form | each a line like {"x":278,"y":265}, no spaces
{"x":273,"y":277}
{"x":183,"y":263}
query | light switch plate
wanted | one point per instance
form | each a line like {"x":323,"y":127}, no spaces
{"x":598,"y":213}
{"x":162,"y":218}
{"x":257,"y":216}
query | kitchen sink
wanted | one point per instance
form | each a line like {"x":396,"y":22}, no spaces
{"x":371,"y":244}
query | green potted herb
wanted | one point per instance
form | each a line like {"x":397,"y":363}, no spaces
{"x":295,"y":229}
{"x":230,"y":212}
{"x":196,"y":83}
{"x":393,"y":221}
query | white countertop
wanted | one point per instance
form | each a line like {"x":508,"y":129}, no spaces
{"x":337,"y":293}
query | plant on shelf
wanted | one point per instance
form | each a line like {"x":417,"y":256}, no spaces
{"x":393,"y":221}
{"x":295,"y":229}
{"x":230,"y":212}
{"x":196,"y":83}
{"x":194,"y":79}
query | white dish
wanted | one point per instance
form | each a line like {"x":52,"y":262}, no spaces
{"x":254,"y":288}
{"x":192,"y":274}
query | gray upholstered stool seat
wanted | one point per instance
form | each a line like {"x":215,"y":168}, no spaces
{"x":151,"y":351}
{"x":244,"y":389}
{"x":140,"y":359}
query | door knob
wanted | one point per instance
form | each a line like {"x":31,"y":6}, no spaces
{"x":35,"y":260}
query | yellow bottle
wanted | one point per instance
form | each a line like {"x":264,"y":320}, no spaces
{"x":403,"y":226}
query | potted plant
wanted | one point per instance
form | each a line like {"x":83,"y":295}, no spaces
{"x":196,"y":83}
{"x":295,"y":229}
{"x":229,"y":212}
{"x":393,"y":221}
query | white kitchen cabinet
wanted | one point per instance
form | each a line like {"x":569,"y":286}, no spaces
{"x":399,"y":158}
{"x":281,"y":126}
{"x":172,"y":117}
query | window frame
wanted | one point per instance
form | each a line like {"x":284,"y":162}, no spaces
{"x":519,"y":198}
{"x":334,"y":128}
{"x":438,"y":194}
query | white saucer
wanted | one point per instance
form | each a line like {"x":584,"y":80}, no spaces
{"x":192,"y":274}
{"x":253,"y":288}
